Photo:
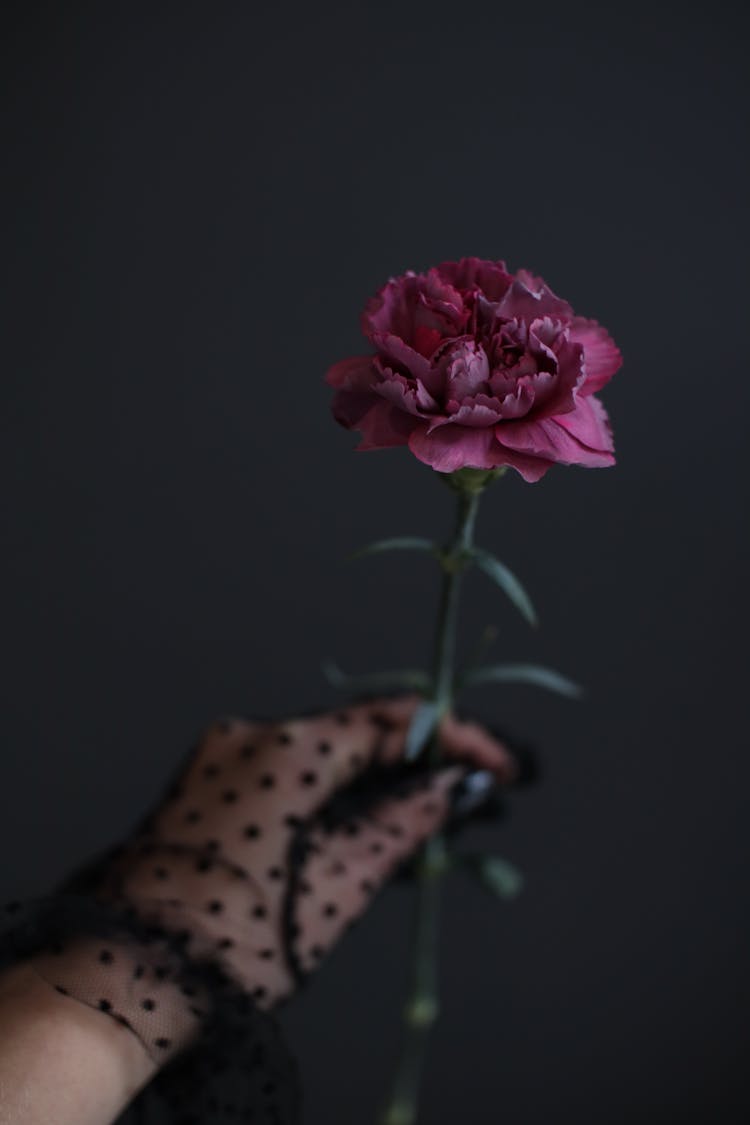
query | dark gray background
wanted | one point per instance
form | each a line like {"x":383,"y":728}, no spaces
{"x":198,"y":200}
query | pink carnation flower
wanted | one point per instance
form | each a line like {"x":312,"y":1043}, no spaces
{"x":476,"y":367}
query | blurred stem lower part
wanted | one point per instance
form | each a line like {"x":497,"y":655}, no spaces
{"x":421,"y":1009}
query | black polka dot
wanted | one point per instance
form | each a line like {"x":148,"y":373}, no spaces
{"x":211,"y":770}
{"x":259,"y":992}
{"x":284,"y":738}
{"x":266,"y":954}
{"x":267,"y":781}
{"x":229,"y":796}
{"x":163,"y":1043}
{"x":148,"y":1004}
{"x":193,"y":816}
{"x":367,"y":886}
{"x":275,"y":873}
{"x":376,"y":848}
{"x":212,"y":845}
{"x":106,"y":957}
{"x":338,"y":868}
{"x":308,"y":777}
{"x":247,"y":750}
{"x":330,"y":910}
{"x":204,"y":864}
{"x":251,"y":831}
{"x":105,"y":1006}
{"x":215,"y":907}
{"x":382,"y":723}
{"x":224,"y":943}
{"x":395,"y":830}
{"x":324,"y":748}
{"x":187,"y":990}
{"x":293,"y":821}
{"x":139,"y":971}
{"x":259,"y":912}
{"x":304,"y":887}
{"x":317,"y":952}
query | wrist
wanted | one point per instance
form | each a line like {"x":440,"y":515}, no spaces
{"x":60,"y":1059}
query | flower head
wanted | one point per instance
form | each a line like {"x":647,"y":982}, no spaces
{"x":475,"y":367}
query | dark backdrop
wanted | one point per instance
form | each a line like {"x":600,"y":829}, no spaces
{"x":198,"y":200}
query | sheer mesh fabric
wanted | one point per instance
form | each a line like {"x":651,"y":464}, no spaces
{"x":268,"y":844}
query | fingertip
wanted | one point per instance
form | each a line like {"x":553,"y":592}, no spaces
{"x":475,"y":744}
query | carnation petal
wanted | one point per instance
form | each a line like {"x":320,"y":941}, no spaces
{"x":470,"y":274}
{"x":479,"y":410}
{"x":455,"y":447}
{"x":589,"y":424}
{"x":408,"y":394}
{"x":384,"y":426}
{"x":356,"y":373}
{"x":419,"y":309}
{"x":519,"y":401}
{"x":556,"y":439}
{"x":530,"y":297}
{"x":555,"y":393}
{"x":348,"y":407}
{"x":393,"y":349}
{"x":464,"y":369}
{"x":459,"y":447}
{"x":601,"y":356}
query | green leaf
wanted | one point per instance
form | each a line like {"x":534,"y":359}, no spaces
{"x":392,"y":680}
{"x":420,"y":729}
{"x":523,"y":674}
{"x":405,"y":543}
{"x":507,"y":581}
{"x":495,"y":874}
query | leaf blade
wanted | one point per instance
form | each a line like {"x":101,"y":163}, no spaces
{"x":495,"y":874}
{"x":391,"y":679}
{"x":399,"y":543}
{"x":511,"y":586}
{"x":420,"y":729}
{"x":534,"y":674}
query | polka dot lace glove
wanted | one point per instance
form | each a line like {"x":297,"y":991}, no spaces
{"x":270,"y":842}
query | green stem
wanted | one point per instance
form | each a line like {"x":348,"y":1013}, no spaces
{"x":421,"y":1009}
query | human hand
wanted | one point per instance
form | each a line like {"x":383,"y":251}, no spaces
{"x":242,"y":845}
{"x":272,"y":839}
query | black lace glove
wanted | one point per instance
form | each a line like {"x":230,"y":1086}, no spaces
{"x":270,"y":842}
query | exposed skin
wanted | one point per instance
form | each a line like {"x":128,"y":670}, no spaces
{"x":63,"y":1062}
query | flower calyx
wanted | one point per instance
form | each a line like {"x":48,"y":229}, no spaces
{"x":472,"y":481}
